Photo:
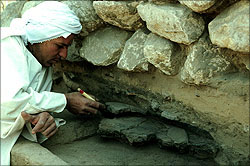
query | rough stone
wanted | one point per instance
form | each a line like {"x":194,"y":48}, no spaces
{"x":113,"y":127}
{"x":132,"y":58}
{"x":230,"y":28}
{"x":238,"y":59}
{"x":122,"y":14}
{"x":87,"y":15}
{"x":26,"y":152}
{"x":104,"y":47}
{"x":162,"y":54}
{"x":120,"y":108}
{"x":141,"y":130}
{"x":170,"y":115}
{"x":12,"y":10}
{"x":198,"y":6}
{"x":246,"y":61}
{"x":173,"y":137}
{"x":172,"y":21}
{"x":134,"y":130}
{"x":202,"y":147}
{"x":203,"y":63}
{"x":141,"y":134}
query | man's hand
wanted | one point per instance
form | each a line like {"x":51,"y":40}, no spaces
{"x":43,"y":122}
{"x":77,"y":104}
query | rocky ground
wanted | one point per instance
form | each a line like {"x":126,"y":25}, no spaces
{"x":79,"y":143}
{"x":98,"y":151}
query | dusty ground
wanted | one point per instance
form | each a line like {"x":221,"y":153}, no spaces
{"x":98,"y":151}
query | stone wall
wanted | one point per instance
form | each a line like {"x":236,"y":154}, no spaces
{"x":185,"y":61}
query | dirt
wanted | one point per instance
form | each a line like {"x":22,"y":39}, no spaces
{"x":99,"y":151}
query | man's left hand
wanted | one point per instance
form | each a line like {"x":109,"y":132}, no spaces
{"x":43,"y":122}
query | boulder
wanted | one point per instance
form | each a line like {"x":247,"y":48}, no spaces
{"x":204,"y":61}
{"x":162,"y":53}
{"x":12,"y":10}
{"x":87,"y":15}
{"x":132,"y":58}
{"x":104,"y":46}
{"x":119,"y":13}
{"x":198,"y":6}
{"x":172,"y":21}
{"x":230,"y":28}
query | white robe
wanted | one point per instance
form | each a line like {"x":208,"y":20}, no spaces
{"x":25,"y":86}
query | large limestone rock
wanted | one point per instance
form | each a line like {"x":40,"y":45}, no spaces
{"x":122,"y":14}
{"x":87,"y":15}
{"x":203,"y":63}
{"x":172,"y":21}
{"x":12,"y":10}
{"x":162,"y":53}
{"x":230,"y":29}
{"x":104,"y":47}
{"x":132,"y":58}
{"x":198,"y":6}
{"x":83,"y":9}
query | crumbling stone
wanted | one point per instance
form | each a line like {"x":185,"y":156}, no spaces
{"x":230,"y":28}
{"x":132,"y":58}
{"x":112,"y":128}
{"x":162,"y":53}
{"x":141,"y":130}
{"x":121,"y":108}
{"x":121,"y":13}
{"x":202,"y":148}
{"x":203,"y":63}
{"x":172,"y":21}
{"x":174,"y":137}
{"x":12,"y":10}
{"x":198,"y":6}
{"x":87,"y":15}
{"x":104,"y":47}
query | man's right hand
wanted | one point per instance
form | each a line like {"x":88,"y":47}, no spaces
{"x":77,"y":104}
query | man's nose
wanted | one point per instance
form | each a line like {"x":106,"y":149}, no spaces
{"x":63,"y":52}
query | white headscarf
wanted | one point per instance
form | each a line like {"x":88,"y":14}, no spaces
{"x":46,"y":21}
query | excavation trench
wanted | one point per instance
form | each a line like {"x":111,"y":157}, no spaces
{"x":135,"y":128}
{"x":128,"y":140}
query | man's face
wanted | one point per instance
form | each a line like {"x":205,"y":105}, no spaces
{"x":50,"y":52}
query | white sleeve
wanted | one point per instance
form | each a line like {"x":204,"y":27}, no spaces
{"x":16,"y":93}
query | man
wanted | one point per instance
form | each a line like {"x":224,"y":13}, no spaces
{"x":29,"y":47}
